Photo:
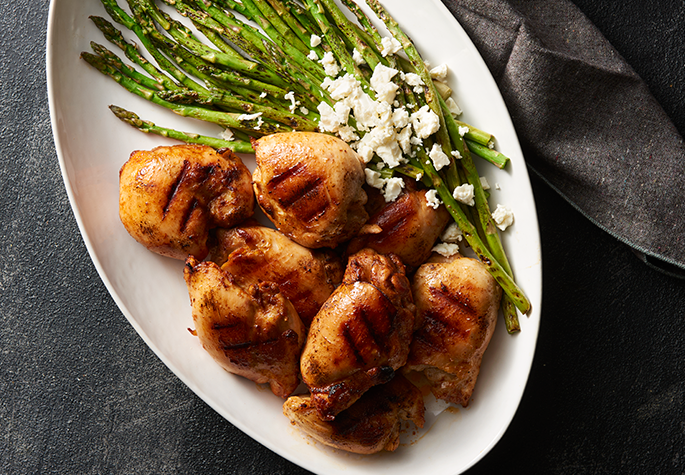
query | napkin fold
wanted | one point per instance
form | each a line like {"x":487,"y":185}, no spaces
{"x":587,"y":123}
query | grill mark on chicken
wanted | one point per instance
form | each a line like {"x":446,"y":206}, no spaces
{"x":175,"y":187}
{"x":430,"y":333}
{"x":188,"y":214}
{"x":286,"y":335}
{"x":288,"y":282}
{"x":247,"y":344}
{"x":289,"y":285}
{"x":277,"y":180}
{"x":195,"y":176}
{"x":444,"y":297}
{"x":364,"y":331}
{"x":223,"y":326}
{"x":395,"y":217}
{"x":300,"y":191}
{"x":437,"y":322}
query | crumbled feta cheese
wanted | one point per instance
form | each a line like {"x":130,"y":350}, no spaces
{"x":491,"y":145}
{"x":304,"y":110}
{"x":390,"y":46}
{"x":452,"y":233}
{"x":503,"y":216}
{"x":342,"y":87}
{"x":365,"y":111}
{"x":373,"y":178}
{"x":425,"y":122}
{"x":413,"y":79}
{"x":357,"y":57}
{"x":463,"y":130}
{"x":263,"y":94}
{"x":290,"y":96}
{"x":432,"y":199}
{"x":419,"y":176}
{"x":249,"y":116}
{"x":348,"y":133}
{"x":497,"y":187}
{"x":446,"y":249}
{"x":439,"y":72}
{"x":313,"y":56}
{"x":381,"y":82}
{"x":227,"y":134}
{"x":404,"y":139}
{"x":416,"y":141}
{"x":384,"y":111}
{"x":327,"y":82}
{"x":330,"y":66}
{"x":440,"y":159}
{"x":259,"y":123}
{"x":456,"y":154}
{"x":343,"y":111}
{"x":314,"y":41}
{"x":453,"y":107}
{"x":484,"y":183}
{"x":464,"y":194}
{"x":393,"y":188}
{"x":365,"y":152}
{"x":382,"y":141}
{"x":331,"y":118}
{"x":400,"y":118}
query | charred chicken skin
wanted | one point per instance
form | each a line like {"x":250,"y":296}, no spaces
{"x":457,"y":301}
{"x":254,"y":253}
{"x":361,"y":335}
{"x":407,"y":227}
{"x":254,"y":333}
{"x":170,"y":197}
{"x":369,"y":425}
{"x":310,"y":186}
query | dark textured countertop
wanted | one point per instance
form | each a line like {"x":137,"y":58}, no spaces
{"x":81,"y":393}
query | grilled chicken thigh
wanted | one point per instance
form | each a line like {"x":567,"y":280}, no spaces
{"x":369,"y":425}
{"x":457,"y":302}
{"x":253,"y":332}
{"x":310,"y":186}
{"x":170,"y":197}
{"x":361,"y":335}
{"x":254,"y":253}
{"x":407,"y":227}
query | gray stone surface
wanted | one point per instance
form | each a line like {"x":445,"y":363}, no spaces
{"x":81,"y":393}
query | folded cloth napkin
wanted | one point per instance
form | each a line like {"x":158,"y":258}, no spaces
{"x":587,"y":123}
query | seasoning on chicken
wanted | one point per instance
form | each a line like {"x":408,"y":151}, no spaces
{"x":407,"y":227}
{"x":253,"y":332}
{"x":170,"y":197}
{"x":361,"y":335}
{"x":310,"y":186}
{"x":369,"y":425}
{"x":254,"y":253}
{"x":457,"y":301}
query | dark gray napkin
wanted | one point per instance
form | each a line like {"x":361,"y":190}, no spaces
{"x":586,"y":122}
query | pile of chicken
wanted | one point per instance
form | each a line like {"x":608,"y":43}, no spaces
{"x":345,"y":295}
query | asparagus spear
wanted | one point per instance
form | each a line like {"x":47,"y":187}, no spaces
{"x":491,"y":155}
{"x":148,"y":127}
